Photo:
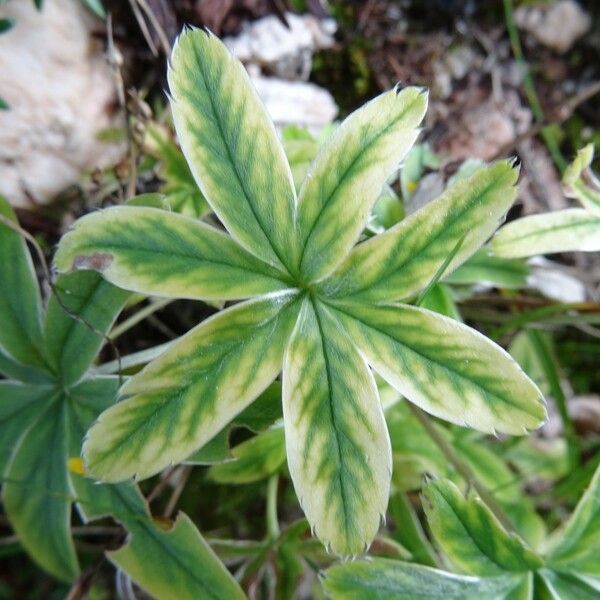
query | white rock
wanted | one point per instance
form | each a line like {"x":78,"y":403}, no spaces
{"x":296,"y":102}
{"x":286,"y":53}
{"x":548,"y":278}
{"x":557,"y":25}
{"x":60,"y":89}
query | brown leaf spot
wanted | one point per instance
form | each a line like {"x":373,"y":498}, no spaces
{"x":99,"y":261}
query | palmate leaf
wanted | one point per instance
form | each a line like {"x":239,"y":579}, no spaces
{"x":400,"y":262}
{"x":20,"y":303}
{"x":336,"y":440}
{"x":446,"y":368}
{"x":155,"y":252}
{"x":337,"y":443}
{"x":471,"y":536}
{"x":349,"y":173}
{"x":385,"y":579}
{"x":185,"y":397}
{"x":232,"y":147}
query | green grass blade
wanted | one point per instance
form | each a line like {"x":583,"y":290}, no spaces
{"x":445,"y":367}
{"x":385,"y":579}
{"x":186,"y":396}
{"x":155,"y":252}
{"x":349,"y":174}
{"x":403,"y":260}
{"x":569,"y":230}
{"x":337,"y":443}
{"x":20,"y":303}
{"x":471,"y":536}
{"x":72,"y":340}
{"x":232,"y":147}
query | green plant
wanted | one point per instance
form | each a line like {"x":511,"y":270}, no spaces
{"x":492,"y":562}
{"x":50,"y":397}
{"x":325,"y":311}
{"x":571,"y":229}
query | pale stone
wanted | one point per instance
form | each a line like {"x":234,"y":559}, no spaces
{"x":557,"y":25}
{"x":61,"y":93}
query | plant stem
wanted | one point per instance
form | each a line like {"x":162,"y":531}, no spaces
{"x":461,"y":467}
{"x":529,"y":88}
{"x":140,"y":315}
{"x":272,"y":521}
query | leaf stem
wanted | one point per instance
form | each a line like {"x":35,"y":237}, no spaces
{"x":462,"y":468}
{"x":272,"y":521}
{"x":140,"y":315}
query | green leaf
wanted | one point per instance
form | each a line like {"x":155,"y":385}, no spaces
{"x":180,"y":187}
{"x":158,"y":253}
{"x":440,"y":300}
{"x":485,"y":268}
{"x":73,"y":340}
{"x":257,"y":417}
{"x":11,"y":369}
{"x":232,"y":147}
{"x":446,"y":368}
{"x":6,"y":25}
{"x":349,"y":174}
{"x":177,"y":563}
{"x":404,"y":259}
{"x":4,"y":104}
{"x":36,"y":494}
{"x":20,"y":303}
{"x":567,"y":586}
{"x":186,"y":396}
{"x":580,"y":182}
{"x":471,"y":536}
{"x":569,"y":230}
{"x":253,"y":459}
{"x":383,"y":579}
{"x":417,"y":160}
{"x":337,"y":443}
{"x":575,"y":546}
{"x":96,"y":7}
{"x":20,"y":406}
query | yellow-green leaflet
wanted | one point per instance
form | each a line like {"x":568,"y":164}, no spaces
{"x":569,"y":230}
{"x":403,"y":260}
{"x":580,"y":182}
{"x":471,"y":536}
{"x":349,"y":173}
{"x":445,"y":367}
{"x":156,"y":252}
{"x":232,"y":147}
{"x":338,"y":448}
{"x":187,"y":395}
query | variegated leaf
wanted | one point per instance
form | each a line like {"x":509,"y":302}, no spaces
{"x":159,"y":253}
{"x":471,"y":536}
{"x":404,"y":259}
{"x":187,"y":395}
{"x":569,"y":230}
{"x":350,"y":172}
{"x":446,"y":368}
{"x":232,"y":147}
{"x":580,"y":182}
{"x":385,"y":579}
{"x":337,"y":443}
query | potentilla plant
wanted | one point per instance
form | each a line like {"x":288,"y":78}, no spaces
{"x":328,"y":313}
